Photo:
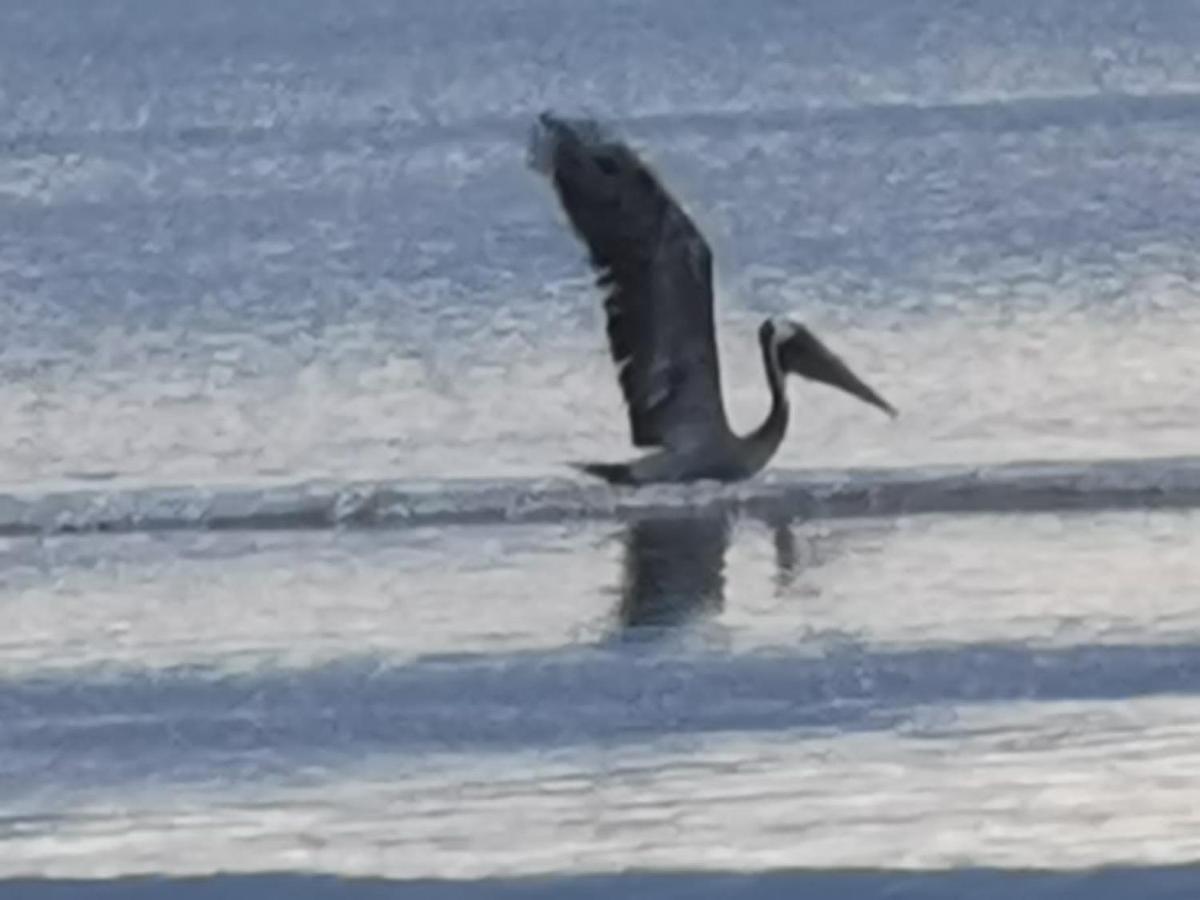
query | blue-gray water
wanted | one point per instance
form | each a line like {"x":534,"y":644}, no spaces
{"x":254,"y":242}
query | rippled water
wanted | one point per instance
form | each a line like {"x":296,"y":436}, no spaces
{"x":257,"y":244}
{"x":249,"y":244}
{"x":686,"y":692}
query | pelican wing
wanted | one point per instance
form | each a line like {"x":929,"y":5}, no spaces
{"x":657,"y":268}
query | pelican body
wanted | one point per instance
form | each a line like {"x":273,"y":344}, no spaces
{"x":657,"y":269}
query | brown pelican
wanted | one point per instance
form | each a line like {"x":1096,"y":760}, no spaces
{"x":657,"y":268}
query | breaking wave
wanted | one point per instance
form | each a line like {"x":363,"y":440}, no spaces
{"x":316,"y":504}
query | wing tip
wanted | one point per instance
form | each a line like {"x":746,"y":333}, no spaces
{"x":544,"y":137}
{"x":550,"y":131}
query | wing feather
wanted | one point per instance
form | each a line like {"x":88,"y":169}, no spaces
{"x":657,"y":269}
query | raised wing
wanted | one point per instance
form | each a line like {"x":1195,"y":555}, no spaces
{"x":657,"y":268}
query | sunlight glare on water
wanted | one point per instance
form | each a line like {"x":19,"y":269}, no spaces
{"x":1017,"y":789}
{"x":303,"y":599}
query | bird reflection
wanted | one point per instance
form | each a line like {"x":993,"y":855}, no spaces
{"x":674,"y":565}
{"x":674,"y":569}
{"x":787,"y":555}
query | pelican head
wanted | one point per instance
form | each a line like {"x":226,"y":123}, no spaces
{"x":800,"y":352}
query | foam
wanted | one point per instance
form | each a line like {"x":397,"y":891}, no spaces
{"x":316,"y":504}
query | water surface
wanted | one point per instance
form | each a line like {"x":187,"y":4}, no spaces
{"x":250,"y":244}
{"x":687,"y":693}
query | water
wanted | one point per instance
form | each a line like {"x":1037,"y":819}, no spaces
{"x":251,"y":246}
{"x":684,"y":692}
{"x":255,"y":244}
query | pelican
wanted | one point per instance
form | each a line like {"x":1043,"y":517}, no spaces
{"x":657,"y":269}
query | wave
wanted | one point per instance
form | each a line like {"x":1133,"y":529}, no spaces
{"x":1145,"y":881}
{"x":1093,"y":485}
{"x":111,"y":726}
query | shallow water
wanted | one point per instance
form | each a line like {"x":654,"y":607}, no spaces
{"x":687,"y":693}
{"x":250,"y":245}
{"x":242,"y":599}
